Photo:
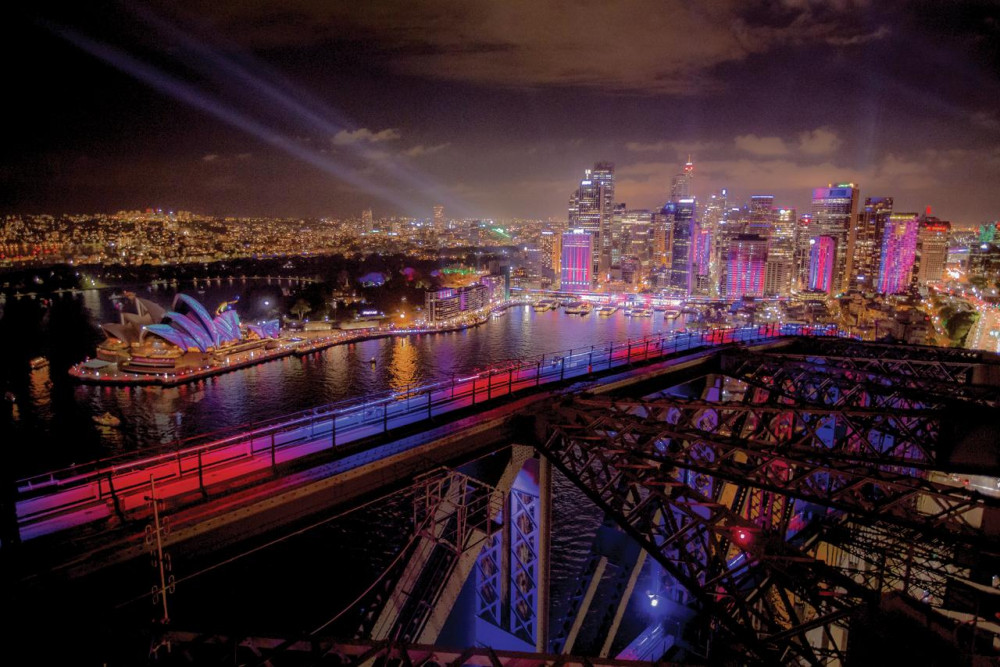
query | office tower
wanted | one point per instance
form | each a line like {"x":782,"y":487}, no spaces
{"x":712,"y":218}
{"x":834,"y":210}
{"x":781,"y":253}
{"x":619,"y":238}
{"x":761,"y":215}
{"x":681,"y":216}
{"x":899,"y":247}
{"x":932,"y":249}
{"x":438,"y":217}
{"x":868,"y":242}
{"x":680,"y":185}
{"x":577,"y":260}
{"x":984,"y":263}
{"x":637,"y":238}
{"x":701,"y":262}
{"x":747,"y":261}
{"x":367,"y":223}
{"x":822,"y":263}
{"x":550,"y":246}
{"x":803,"y":236}
{"x":591,"y":208}
{"x":662,"y":233}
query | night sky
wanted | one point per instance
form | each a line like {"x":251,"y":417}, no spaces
{"x":495,"y":108}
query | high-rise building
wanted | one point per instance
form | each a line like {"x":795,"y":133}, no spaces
{"x":899,"y":248}
{"x":576,"y":263}
{"x":438,"y":216}
{"x":591,"y":208}
{"x":680,"y":185}
{"x":682,"y":215}
{"x":834,"y":211}
{"x":550,"y":245}
{"x":712,"y":220}
{"x":761,"y":215}
{"x":984,"y":263}
{"x":367,"y":222}
{"x":803,"y":247}
{"x":868,"y":232}
{"x":637,"y":238}
{"x":747,"y":263}
{"x":932,"y":249}
{"x":781,"y":253}
{"x":822,"y":263}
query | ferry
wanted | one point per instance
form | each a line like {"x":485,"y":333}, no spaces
{"x":640,"y":312}
{"x":38,"y":363}
{"x":545,"y":304}
{"x":607,"y":311}
{"x":579,"y":308}
{"x":497,"y":314}
{"x":671,"y":314}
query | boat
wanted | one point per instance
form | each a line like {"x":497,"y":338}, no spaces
{"x":497,"y":314}
{"x":659,"y":307}
{"x":607,"y":311}
{"x":640,"y":312}
{"x":372,"y":362}
{"x":579,"y":308}
{"x":107,"y":419}
{"x":545,"y":304}
{"x":38,"y":363}
{"x":671,"y":314}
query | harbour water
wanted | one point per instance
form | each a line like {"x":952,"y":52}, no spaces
{"x":53,"y":416}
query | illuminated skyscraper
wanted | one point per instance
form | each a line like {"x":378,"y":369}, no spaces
{"x":761,"y":215}
{"x":680,"y":185}
{"x":781,"y":253}
{"x":932,"y":249}
{"x":868,"y":242}
{"x":803,"y":236}
{"x":712,"y":221}
{"x":367,"y":223}
{"x":681,"y":213}
{"x":577,"y":263}
{"x":438,"y":216}
{"x":550,"y":246}
{"x":591,"y":208}
{"x":747,"y":261}
{"x":899,"y":248}
{"x":822,"y":263}
{"x":637,"y":238}
{"x":834,"y":211}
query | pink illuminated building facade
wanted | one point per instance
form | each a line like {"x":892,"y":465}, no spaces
{"x":822,"y":263}
{"x":899,"y":249}
{"x":746,"y":266}
{"x":577,"y":252}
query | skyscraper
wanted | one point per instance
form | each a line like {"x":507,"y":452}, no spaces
{"x":781,"y":253}
{"x":868,"y":242}
{"x":803,"y":247}
{"x":680,"y":185}
{"x":761,"y":215}
{"x":932,"y":249}
{"x":712,"y":220}
{"x":591,"y":208}
{"x":745,"y":273}
{"x":550,"y":246}
{"x":899,"y":247}
{"x":577,"y":263}
{"x":681,"y":213}
{"x":822,"y":263}
{"x":438,"y":216}
{"x":367,"y":223}
{"x":834,"y":211}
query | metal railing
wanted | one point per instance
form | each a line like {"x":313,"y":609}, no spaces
{"x":192,"y":464}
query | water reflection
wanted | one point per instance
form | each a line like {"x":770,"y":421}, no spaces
{"x":403,"y":367}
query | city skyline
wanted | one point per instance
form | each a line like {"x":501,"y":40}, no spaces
{"x":491,"y":112}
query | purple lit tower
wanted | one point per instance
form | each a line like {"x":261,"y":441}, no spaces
{"x":577,"y":250}
{"x":899,"y":249}
{"x":822,"y":262}
{"x":747,"y":263}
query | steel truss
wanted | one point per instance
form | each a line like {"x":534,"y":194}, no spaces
{"x":785,"y":512}
{"x":887,"y":380}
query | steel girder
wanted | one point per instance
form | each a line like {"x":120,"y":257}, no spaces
{"x":884,"y":378}
{"x":856,"y":349}
{"x":765,"y":591}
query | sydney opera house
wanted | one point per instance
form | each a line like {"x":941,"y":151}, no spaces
{"x":154,"y":339}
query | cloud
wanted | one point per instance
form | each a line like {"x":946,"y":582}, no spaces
{"x":420,"y":150}
{"x":821,"y":141}
{"x":211,"y":157}
{"x":364,"y":135}
{"x":645,"y":46}
{"x":751,"y":143}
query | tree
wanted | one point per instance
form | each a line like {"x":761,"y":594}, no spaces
{"x":301,"y":309}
